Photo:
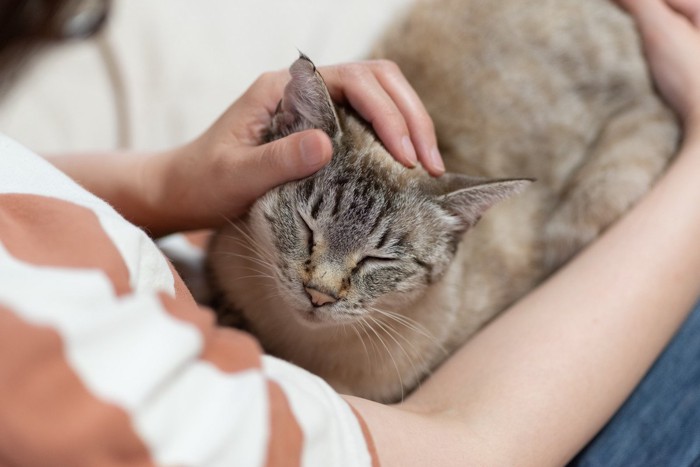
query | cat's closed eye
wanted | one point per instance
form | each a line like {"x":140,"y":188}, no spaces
{"x":374,"y":261}
{"x":309,"y":234}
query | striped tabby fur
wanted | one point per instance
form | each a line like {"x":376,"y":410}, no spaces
{"x":362,"y":273}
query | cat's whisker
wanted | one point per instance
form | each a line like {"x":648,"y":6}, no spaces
{"x":411,"y":325}
{"x":236,"y":266}
{"x":406,"y":321}
{"x":252,"y":243}
{"x":253,"y":248}
{"x":255,"y":253}
{"x":274,"y":294}
{"x":258,"y":273}
{"x":251,"y":240}
{"x":237,"y":225}
{"x":253,"y":256}
{"x":250,"y":258}
{"x":254,"y":276}
{"x":391,"y":356}
{"x":411,"y":344}
{"x":362,"y":341}
{"x":363,"y":326}
{"x":389,"y":331}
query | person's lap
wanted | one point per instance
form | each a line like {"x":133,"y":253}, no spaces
{"x":659,"y":425}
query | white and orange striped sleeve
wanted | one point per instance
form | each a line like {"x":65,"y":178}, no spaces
{"x":105,"y":359}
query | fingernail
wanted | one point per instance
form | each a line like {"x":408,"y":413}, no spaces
{"x":311,"y":151}
{"x":409,"y":151}
{"x":436,"y":159}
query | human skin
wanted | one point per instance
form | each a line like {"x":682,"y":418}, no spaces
{"x":218,"y":175}
{"x":534,"y":386}
{"x":537,"y":384}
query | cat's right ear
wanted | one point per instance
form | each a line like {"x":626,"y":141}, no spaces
{"x":468,"y":203}
{"x":306,"y":103}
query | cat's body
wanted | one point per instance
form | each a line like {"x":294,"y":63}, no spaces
{"x":556,"y":90}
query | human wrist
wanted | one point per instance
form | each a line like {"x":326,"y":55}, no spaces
{"x":159,"y":182}
{"x":692,"y":130}
{"x":691,"y":135}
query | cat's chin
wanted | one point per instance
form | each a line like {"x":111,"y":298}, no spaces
{"x":321,"y":318}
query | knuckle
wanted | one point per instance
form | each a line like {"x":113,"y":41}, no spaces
{"x":393,"y":118}
{"x":387,"y":66}
{"x":268,"y":78}
{"x":280,"y":157}
{"x":390,"y":112}
{"x":354,"y":71}
{"x":269,"y":157}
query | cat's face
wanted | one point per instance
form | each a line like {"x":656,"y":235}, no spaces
{"x":364,"y":233}
{"x":359,"y":235}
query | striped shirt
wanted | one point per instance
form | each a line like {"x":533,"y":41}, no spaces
{"x":105,"y":358}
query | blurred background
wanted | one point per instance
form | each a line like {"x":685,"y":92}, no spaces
{"x":162,"y":71}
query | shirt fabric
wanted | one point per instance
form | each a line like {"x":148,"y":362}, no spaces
{"x":105,"y":358}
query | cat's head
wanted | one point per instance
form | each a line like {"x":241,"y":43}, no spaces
{"x":364,"y":232}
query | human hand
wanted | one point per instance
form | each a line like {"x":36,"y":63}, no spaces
{"x":380,"y":93}
{"x":225,"y":170}
{"x":670,"y":30}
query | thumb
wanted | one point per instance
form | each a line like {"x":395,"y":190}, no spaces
{"x":654,"y":17}
{"x":688,"y":8}
{"x":290,"y":158}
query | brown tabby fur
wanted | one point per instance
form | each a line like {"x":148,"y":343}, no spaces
{"x":555,"y":90}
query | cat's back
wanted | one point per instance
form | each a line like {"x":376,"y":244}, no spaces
{"x":507,"y":79}
{"x":556,"y":90}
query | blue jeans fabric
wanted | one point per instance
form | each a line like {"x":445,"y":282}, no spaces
{"x":659,"y":425}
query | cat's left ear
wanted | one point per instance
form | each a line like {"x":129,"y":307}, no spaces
{"x":306,"y":103}
{"x":468,"y":198}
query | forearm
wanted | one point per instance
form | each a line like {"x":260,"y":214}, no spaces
{"x":541,"y":380}
{"x":550,"y":373}
{"x":124,"y":180}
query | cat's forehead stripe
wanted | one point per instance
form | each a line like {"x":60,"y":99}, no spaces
{"x":317,"y":206}
{"x":308,"y":187}
{"x":369,"y":205}
{"x":338,"y":198}
{"x":378,"y":218}
{"x":401,"y":242}
{"x":385,"y":237}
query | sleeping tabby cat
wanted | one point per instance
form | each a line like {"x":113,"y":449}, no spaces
{"x":370,"y":274}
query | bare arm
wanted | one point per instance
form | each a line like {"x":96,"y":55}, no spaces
{"x":534,"y":386}
{"x":538,"y":383}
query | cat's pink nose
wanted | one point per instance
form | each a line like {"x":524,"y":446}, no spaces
{"x":319,"y":298}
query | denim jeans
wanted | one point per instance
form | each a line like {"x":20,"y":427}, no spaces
{"x":659,"y":425}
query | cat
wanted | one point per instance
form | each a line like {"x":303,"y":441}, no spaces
{"x":369,"y":274}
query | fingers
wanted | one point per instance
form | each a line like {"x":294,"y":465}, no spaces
{"x":299,"y":155}
{"x":672,"y":46}
{"x":688,"y":8}
{"x":663,"y":20}
{"x":419,"y":122}
{"x":363,"y":91}
{"x":380,"y":93}
{"x":382,"y":96}
{"x":653,"y":17}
